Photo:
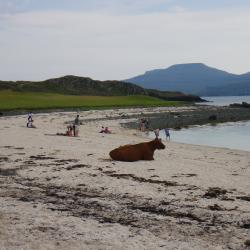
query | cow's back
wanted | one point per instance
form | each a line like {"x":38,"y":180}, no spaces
{"x":130,"y":152}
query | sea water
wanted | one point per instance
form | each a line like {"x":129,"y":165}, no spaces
{"x":228,"y":135}
{"x":233,"y":135}
{"x":224,"y":100}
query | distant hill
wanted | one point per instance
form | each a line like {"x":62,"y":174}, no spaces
{"x":75,"y":85}
{"x":195,"y":78}
{"x":240,"y":86}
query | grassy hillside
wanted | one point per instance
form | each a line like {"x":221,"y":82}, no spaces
{"x":75,"y":85}
{"x":10,"y":100}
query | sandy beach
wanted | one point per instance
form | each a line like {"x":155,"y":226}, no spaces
{"x":59,"y":192}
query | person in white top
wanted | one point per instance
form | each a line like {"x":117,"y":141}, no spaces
{"x":157,"y":132}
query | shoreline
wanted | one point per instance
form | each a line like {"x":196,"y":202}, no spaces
{"x":63,"y":193}
{"x":171,"y":117}
{"x":214,"y":135}
{"x":198,"y":115}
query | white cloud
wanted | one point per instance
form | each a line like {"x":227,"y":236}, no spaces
{"x":40,"y":45}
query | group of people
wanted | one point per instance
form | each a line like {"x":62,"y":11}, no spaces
{"x":72,"y":129}
{"x":166,"y":130}
{"x":144,"y":127}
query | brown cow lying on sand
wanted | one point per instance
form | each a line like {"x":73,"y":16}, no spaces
{"x":140,"y":151}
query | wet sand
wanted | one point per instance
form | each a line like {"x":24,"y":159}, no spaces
{"x":60,"y":192}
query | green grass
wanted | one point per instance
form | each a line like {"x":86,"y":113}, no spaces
{"x":10,"y":100}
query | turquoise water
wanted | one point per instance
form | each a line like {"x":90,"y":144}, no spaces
{"x":228,"y":135}
{"x":234,"y":135}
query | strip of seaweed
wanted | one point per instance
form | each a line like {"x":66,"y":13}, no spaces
{"x":4,"y":159}
{"x":166,"y":212}
{"x":8,"y":171}
{"x":41,"y":157}
{"x":142,"y":179}
{"x":78,"y":166}
{"x":244,"y":198}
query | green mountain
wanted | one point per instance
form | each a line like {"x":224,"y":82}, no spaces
{"x":75,"y":85}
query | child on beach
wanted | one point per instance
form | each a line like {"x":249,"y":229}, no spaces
{"x":166,"y":130}
{"x":157,"y":132}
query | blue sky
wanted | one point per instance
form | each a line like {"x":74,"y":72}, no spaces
{"x":112,"y":39}
{"x":134,"y":6}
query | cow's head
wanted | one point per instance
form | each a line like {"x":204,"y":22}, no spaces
{"x":158,"y":143}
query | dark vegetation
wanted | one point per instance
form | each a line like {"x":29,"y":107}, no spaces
{"x":173,"y":96}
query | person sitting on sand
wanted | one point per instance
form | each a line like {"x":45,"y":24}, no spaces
{"x":102,"y":130}
{"x":30,"y":124}
{"x":68,"y":132}
{"x":105,"y":130}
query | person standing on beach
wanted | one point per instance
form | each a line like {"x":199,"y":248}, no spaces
{"x":76,"y":126}
{"x":167,"y":133}
{"x":142,"y":124}
{"x":146,"y":124}
{"x":30,"y":120}
{"x":157,"y":132}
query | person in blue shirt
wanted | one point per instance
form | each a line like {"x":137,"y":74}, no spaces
{"x":167,"y":133}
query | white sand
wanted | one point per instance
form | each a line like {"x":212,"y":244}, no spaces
{"x":46,"y":203}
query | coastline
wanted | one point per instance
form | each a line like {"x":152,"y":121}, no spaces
{"x":194,"y":115}
{"x":64,"y":193}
